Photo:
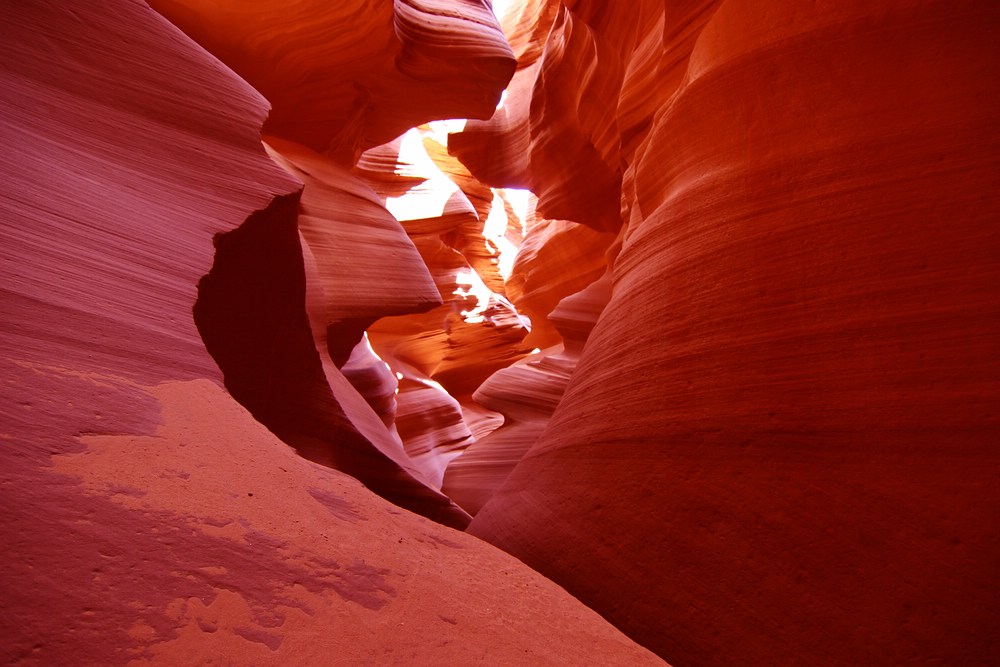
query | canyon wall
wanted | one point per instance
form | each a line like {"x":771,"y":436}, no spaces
{"x":174,"y":320}
{"x":265,"y":347}
{"x":780,"y":443}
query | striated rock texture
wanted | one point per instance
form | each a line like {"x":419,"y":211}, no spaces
{"x":526,"y":394}
{"x":557,"y":259}
{"x":347,"y":76}
{"x":780,"y":443}
{"x":763,"y":266}
{"x":275,"y":320}
{"x":148,"y":516}
{"x":443,"y":355}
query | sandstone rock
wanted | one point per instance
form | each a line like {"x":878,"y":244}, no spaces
{"x":557,"y":258}
{"x":345,"y":77}
{"x":431,"y":425}
{"x":497,"y":150}
{"x":367,"y":266}
{"x":264,"y":315}
{"x":779,"y":446}
{"x":526,"y":394}
{"x":442,"y":356}
{"x":149,"y":518}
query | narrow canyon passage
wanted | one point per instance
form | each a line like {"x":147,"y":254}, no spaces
{"x":557,"y":332}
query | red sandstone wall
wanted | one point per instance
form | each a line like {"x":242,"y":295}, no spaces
{"x":780,"y":445}
{"x":150,"y":252}
{"x":774,"y":428}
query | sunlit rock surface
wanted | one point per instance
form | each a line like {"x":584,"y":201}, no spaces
{"x":443,"y":355}
{"x":780,"y":443}
{"x":526,"y":394}
{"x":147,"y":240}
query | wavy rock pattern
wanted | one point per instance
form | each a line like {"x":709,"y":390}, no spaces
{"x":443,"y":355}
{"x":346,"y":77}
{"x":779,"y":445}
{"x":526,"y":394}
{"x":265,"y":314}
{"x":762,"y":263}
{"x":149,"y":517}
{"x":557,"y":258}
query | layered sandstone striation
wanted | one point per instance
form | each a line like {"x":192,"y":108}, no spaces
{"x":779,"y":445}
{"x":737,"y":392}
{"x":170,"y":313}
{"x":526,"y":394}
{"x":346,"y":77}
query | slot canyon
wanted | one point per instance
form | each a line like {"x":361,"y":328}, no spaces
{"x":546,"y":332}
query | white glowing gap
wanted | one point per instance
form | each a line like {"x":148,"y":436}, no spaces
{"x":429,"y":199}
{"x":495,"y":235}
{"x":523,"y":203}
{"x":440,"y":129}
{"x":500,"y":8}
{"x":471,"y":285}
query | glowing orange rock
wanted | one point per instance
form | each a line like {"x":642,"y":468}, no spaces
{"x":526,"y":394}
{"x":557,"y":258}
{"x":443,"y":355}
{"x":355,"y":74}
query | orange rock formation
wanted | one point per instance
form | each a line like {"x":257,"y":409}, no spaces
{"x":152,"y":253}
{"x":780,"y":443}
{"x":736,"y":393}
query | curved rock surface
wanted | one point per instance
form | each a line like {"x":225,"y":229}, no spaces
{"x":780,"y":444}
{"x":443,"y":355}
{"x":497,"y":150}
{"x":526,"y":394}
{"x":557,"y":259}
{"x":764,"y":271}
{"x":149,"y":518}
{"x":347,"y":76}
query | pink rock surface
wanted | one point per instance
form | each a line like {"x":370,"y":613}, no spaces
{"x":764,"y":271}
{"x":264,"y":312}
{"x":368,"y":267}
{"x":780,"y":444}
{"x":149,"y":518}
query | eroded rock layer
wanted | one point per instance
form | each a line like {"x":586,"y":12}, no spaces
{"x":348,"y":76}
{"x":780,"y":444}
{"x":148,"y":516}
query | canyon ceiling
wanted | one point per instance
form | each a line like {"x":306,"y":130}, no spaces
{"x":296,"y":370}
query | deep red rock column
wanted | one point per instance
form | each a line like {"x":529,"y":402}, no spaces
{"x":780,"y":446}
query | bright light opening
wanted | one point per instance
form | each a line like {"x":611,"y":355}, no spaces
{"x":500,"y":8}
{"x":428,"y":199}
{"x":440,"y":129}
{"x":471,"y":285}
{"x":523,"y":203}
{"x":495,"y":235}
